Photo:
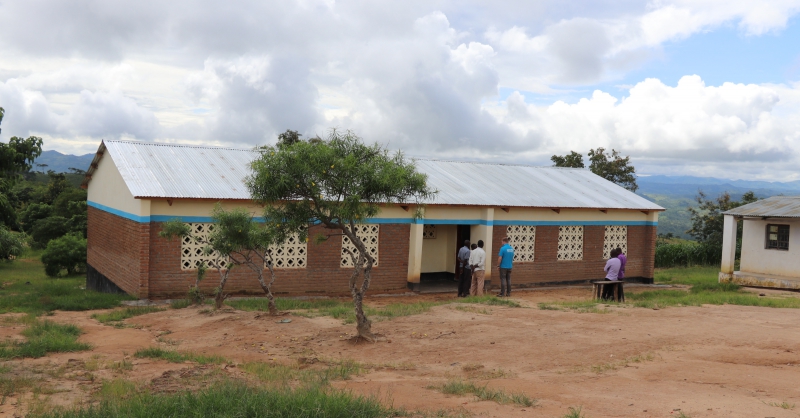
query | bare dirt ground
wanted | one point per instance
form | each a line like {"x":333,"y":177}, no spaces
{"x":711,"y":361}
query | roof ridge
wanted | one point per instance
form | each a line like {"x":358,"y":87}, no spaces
{"x":495,"y":163}
{"x":161,"y":144}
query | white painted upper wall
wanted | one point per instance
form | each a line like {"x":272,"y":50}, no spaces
{"x":757,"y":259}
{"x":108,"y":188}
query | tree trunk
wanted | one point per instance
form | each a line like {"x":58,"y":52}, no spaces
{"x":267,"y":288}
{"x":220,"y":295}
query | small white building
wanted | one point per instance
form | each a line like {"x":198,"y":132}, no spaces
{"x":770,"y":244}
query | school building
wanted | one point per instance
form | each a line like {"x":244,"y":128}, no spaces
{"x":562,"y":223}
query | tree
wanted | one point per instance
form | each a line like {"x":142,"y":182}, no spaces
{"x":707,"y":217}
{"x":613,"y":168}
{"x":288,"y":138}
{"x":48,"y":229}
{"x":573,"y":160}
{"x":65,"y":253}
{"x":11,"y":245}
{"x":32,"y":213}
{"x":16,"y":158}
{"x":250,"y":244}
{"x":237,"y":240}
{"x":338,"y":183}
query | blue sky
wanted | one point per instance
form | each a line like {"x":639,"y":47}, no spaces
{"x":699,"y":87}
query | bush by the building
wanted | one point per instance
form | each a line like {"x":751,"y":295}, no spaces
{"x":65,"y":253}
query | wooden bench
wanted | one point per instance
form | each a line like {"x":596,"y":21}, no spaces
{"x":617,"y":290}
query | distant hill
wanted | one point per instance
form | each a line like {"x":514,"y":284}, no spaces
{"x":677,"y":193}
{"x":61,"y":163}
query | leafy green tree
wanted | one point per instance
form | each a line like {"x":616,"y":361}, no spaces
{"x":288,"y":138}
{"x":48,"y":229}
{"x":610,"y":166}
{"x":573,"y":160}
{"x":16,"y":158}
{"x":707,"y":217}
{"x":238,"y":240}
{"x":65,"y":253}
{"x":58,"y":184}
{"x":338,"y":183}
{"x":33,"y":213}
{"x":11,"y":245}
{"x":613,"y":167}
{"x":61,"y":204}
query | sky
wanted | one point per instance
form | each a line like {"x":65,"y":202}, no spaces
{"x":684,"y":87}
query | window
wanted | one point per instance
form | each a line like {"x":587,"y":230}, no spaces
{"x":369,"y":235}
{"x":522,"y":238}
{"x":570,"y":243}
{"x":291,"y":254}
{"x":193,"y":253}
{"x":616,"y":237}
{"x":429,"y":232}
{"x":778,"y":237}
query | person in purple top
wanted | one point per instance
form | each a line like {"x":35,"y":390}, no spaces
{"x":613,"y":266}
{"x":623,"y":260}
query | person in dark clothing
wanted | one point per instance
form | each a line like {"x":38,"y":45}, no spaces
{"x":465,"y":272}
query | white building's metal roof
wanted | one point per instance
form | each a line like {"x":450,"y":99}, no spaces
{"x":771,"y":207}
{"x":152,"y":170}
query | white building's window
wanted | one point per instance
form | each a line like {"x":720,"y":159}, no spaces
{"x":429,"y":232}
{"x":522,"y":238}
{"x":616,"y":237}
{"x":292,"y":254}
{"x":193,"y":253}
{"x":369,"y":236}
{"x":778,"y":237}
{"x":570,"y":243}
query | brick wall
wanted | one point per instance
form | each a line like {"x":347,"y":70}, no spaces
{"x":546,"y":267}
{"x":322,"y":275}
{"x":117,"y":248}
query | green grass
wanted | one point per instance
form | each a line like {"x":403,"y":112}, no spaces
{"x":687,"y":275}
{"x":282,"y":375}
{"x":177,"y":357}
{"x":228,"y":399}
{"x":25,"y":288}
{"x":583,"y":306}
{"x":180,"y":303}
{"x":119,"y":315}
{"x":783,"y":405}
{"x":44,"y":337}
{"x":461,"y":388}
{"x":343,"y":309}
{"x":574,"y":413}
{"x":705,"y":290}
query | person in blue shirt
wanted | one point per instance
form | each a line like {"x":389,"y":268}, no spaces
{"x":505,"y":260}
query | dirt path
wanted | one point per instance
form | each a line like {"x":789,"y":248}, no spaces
{"x":711,"y":361}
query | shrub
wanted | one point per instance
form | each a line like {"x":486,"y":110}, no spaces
{"x":687,"y":254}
{"x":11,"y":245}
{"x":48,"y":229}
{"x":65,"y":253}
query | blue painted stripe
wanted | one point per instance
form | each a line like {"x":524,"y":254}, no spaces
{"x":165,"y":218}
{"x":120,"y":213}
{"x":571,"y":223}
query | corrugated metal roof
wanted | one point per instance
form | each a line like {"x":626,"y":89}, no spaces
{"x":771,"y":207}
{"x":181,"y":171}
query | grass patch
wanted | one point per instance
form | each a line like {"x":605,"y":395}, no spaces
{"x":11,"y":385}
{"x":119,"y":315}
{"x":284,"y":376}
{"x":178,"y":357}
{"x":687,"y":275}
{"x":783,"y":405}
{"x":228,"y":399}
{"x":343,"y":309}
{"x":584,"y":306}
{"x":705,"y":290}
{"x":180,"y":303}
{"x":461,"y":388}
{"x":44,"y":337}
{"x":26,"y":289}
{"x":574,"y":412}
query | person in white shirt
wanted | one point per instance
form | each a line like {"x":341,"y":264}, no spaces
{"x":477,"y":260}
